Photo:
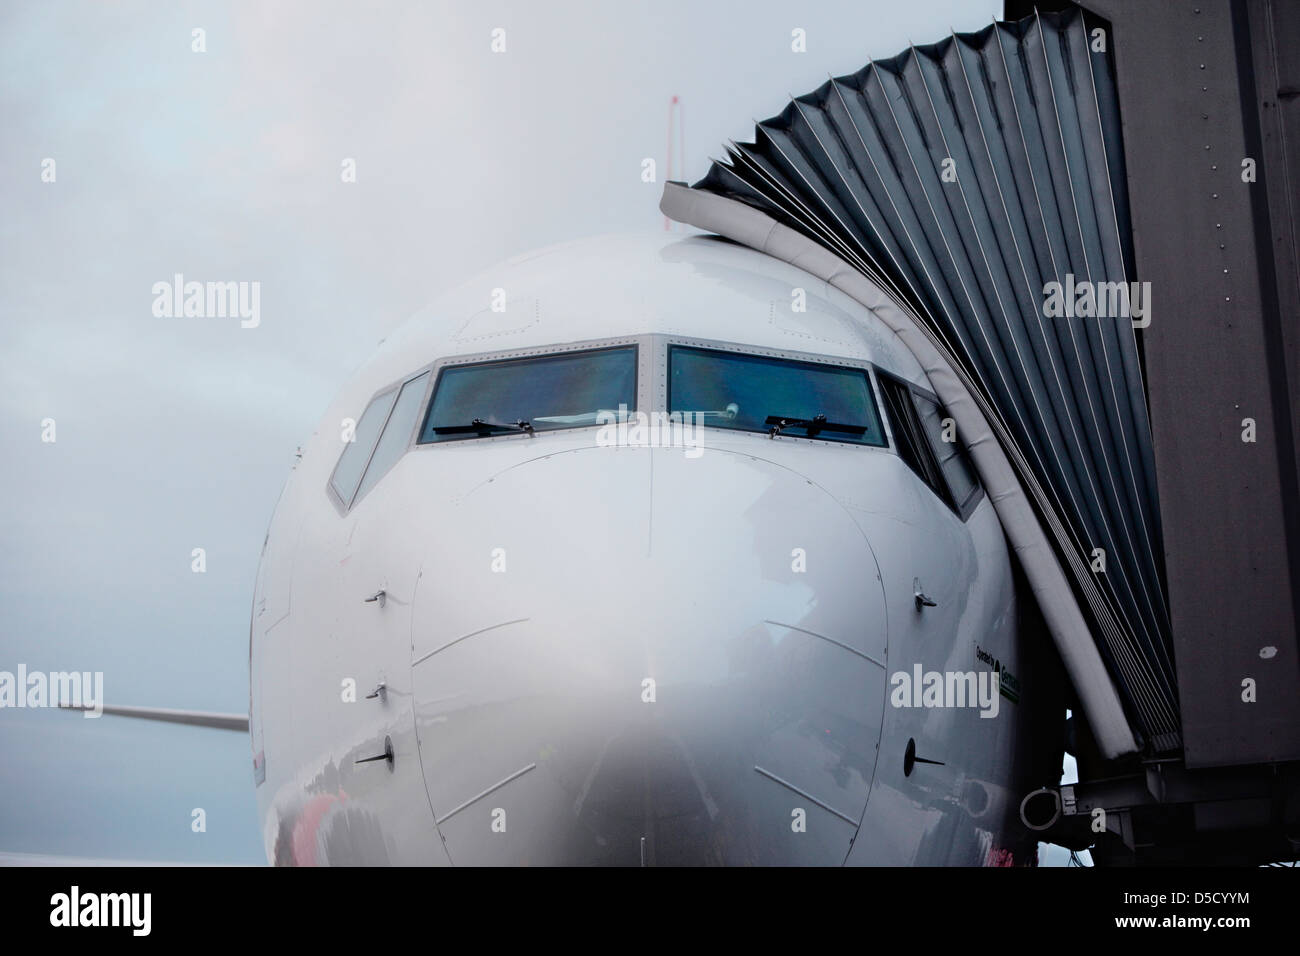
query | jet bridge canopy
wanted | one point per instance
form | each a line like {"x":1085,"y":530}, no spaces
{"x":1093,"y":223}
{"x":980,"y":181}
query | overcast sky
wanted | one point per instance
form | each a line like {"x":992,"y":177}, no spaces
{"x":177,"y":433}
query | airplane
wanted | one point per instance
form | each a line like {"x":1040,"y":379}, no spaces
{"x":501,"y":618}
{"x":663,"y":550}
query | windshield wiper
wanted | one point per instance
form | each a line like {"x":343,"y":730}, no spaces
{"x":480,"y":427}
{"x":817,"y":423}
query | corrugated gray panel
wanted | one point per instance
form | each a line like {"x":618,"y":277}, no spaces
{"x":1025,"y":115}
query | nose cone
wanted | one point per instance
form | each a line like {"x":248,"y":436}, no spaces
{"x":648,"y":658}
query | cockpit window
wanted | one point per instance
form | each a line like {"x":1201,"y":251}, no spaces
{"x":532,"y":394}
{"x":956,"y":467}
{"x":397,"y":433}
{"x":927,"y":442}
{"x":758,"y":393}
{"x":360,"y":443}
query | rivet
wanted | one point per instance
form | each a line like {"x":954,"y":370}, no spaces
{"x":1225,"y":272}
{"x":1212,"y":166}
{"x":1221,"y":245}
{"x":1218,"y":225}
{"x":1215,"y":195}
{"x":1202,"y":66}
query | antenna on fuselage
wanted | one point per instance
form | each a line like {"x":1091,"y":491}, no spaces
{"x":677,"y":137}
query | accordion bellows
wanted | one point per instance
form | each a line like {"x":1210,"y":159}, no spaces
{"x":980,"y":182}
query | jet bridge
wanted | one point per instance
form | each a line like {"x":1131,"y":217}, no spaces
{"x":1086,"y":218}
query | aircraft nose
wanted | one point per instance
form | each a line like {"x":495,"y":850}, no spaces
{"x":648,"y":658}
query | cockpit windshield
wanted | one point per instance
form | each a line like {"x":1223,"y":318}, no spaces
{"x":782,"y":397}
{"x":531,"y":394}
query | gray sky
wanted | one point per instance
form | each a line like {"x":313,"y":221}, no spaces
{"x":177,"y":433}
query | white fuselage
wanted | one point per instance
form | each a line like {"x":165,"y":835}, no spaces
{"x":596,"y":652}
